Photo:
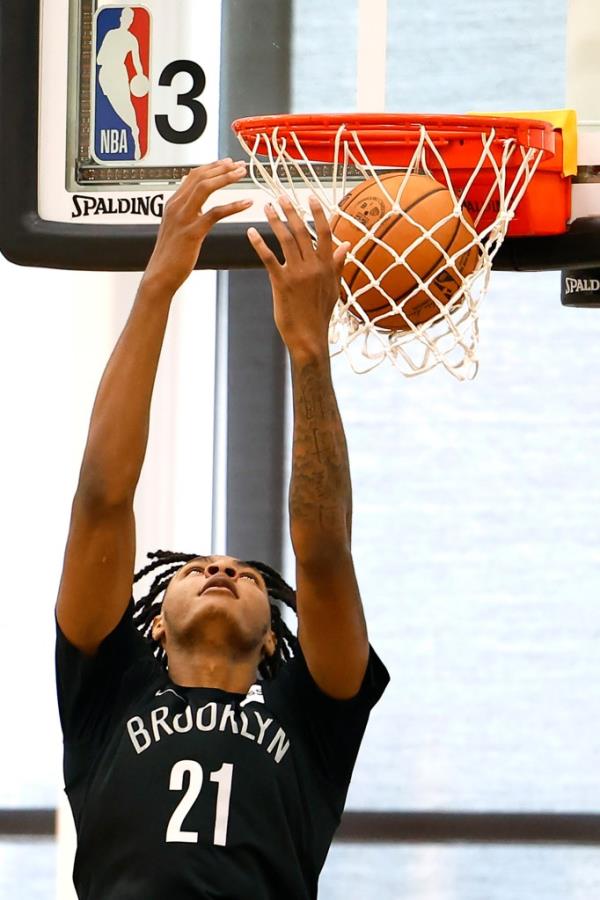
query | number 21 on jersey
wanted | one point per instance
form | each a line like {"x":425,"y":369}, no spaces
{"x":223,"y":777}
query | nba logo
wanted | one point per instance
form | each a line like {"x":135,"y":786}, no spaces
{"x":121,"y":89}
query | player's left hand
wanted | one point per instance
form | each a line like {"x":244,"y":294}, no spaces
{"x":306,"y":286}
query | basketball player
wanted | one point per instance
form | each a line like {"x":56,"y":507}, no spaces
{"x":207,"y":751}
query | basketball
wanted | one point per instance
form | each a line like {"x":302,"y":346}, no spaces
{"x":139,"y":85}
{"x":427,"y":202}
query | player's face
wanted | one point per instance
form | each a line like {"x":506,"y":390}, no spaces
{"x":222,"y":592}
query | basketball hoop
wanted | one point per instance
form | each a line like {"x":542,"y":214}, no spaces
{"x":487,"y":164}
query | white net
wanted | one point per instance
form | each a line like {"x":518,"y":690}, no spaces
{"x":371,"y":322}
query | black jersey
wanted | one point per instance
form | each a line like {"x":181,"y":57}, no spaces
{"x":199,"y":793}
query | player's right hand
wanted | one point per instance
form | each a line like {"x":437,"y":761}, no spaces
{"x":185,"y":224}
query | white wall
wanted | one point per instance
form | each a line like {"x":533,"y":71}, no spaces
{"x":58,"y":329}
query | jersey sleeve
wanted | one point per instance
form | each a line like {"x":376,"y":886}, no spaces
{"x":89,"y":688}
{"x":333,"y":729}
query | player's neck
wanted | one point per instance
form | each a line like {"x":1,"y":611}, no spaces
{"x":212,"y":668}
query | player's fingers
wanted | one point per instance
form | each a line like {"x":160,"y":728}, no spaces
{"x":235,"y":171}
{"x":214,"y":168}
{"x":266,"y":256}
{"x":206,"y":186}
{"x":287,"y":241}
{"x":190,"y":183}
{"x":296,"y":226}
{"x":199,"y":173}
{"x":324,"y":239}
{"x":217,"y":213}
{"x":339,"y":257}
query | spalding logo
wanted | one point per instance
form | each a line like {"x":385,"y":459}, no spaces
{"x":86,"y":205}
{"x":581,"y":285}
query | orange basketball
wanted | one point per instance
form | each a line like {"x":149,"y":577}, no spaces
{"x":427,"y":202}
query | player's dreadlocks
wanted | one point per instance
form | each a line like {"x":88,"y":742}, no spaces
{"x":167,"y":563}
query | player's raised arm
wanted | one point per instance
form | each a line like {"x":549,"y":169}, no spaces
{"x":332,"y":628}
{"x":98,"y":568}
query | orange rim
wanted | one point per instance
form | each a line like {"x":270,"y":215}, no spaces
{"x":390,"y":139}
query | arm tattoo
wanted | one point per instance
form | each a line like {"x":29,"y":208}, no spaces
{"x":320,"y":489}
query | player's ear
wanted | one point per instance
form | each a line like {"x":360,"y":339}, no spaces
{"x":158,"y":630}
{"x":269,"y":644}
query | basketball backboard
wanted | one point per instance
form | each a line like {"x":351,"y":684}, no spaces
{"x":81,"y":79}
{"x":111,"y":105}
